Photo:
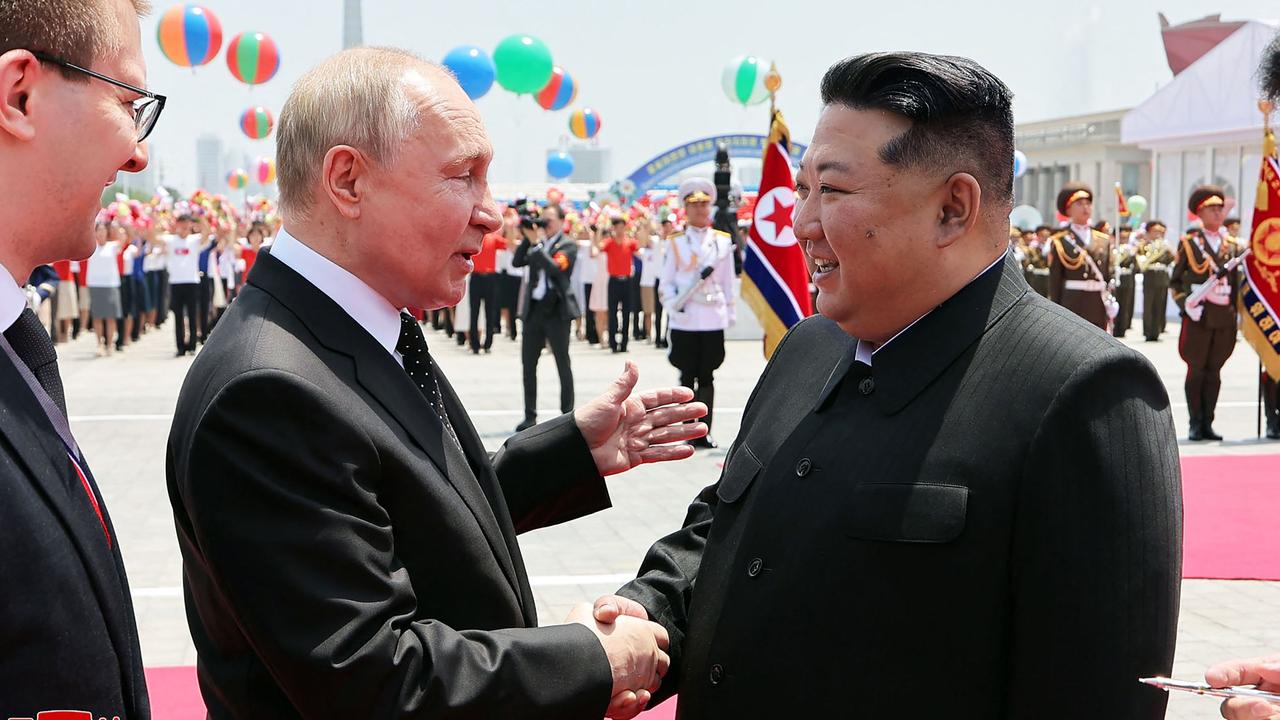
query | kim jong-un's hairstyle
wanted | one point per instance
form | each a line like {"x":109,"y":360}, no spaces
{"x":961,"y":115}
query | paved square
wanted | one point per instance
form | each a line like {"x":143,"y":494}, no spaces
{"x":121,"y":408}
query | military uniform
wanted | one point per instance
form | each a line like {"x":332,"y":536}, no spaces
{"x":1154,"y":262}
{"x":1035,"y":268}
{"x":697,"y":328}
{"x":1271,"y":405}
{"x":1125,"y":262}
{"x":1080,"y":263}
{"x":1208,"y":329}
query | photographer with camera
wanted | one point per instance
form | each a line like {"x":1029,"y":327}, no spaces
{"x":549,"y":305}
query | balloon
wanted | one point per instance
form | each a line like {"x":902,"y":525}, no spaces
{"x":1019,"y":164}
{"x":1228,"y":205}
{"x":237,"y":179}
{"x":257,"y":122}
{"x":189,"y":35}
{"x":744,"y":80}
{"x":1137,"y":206}
{"x":560,"y":165}
{"x":266,"y":171}
{"x":560,"y":91}
{"x":473,"y":69}
{"x":253,"y":58}
{"x":584,"y":123}
{"x":1026,"y":217}
{"x":523,"y":64}
{"x":553,"y":194}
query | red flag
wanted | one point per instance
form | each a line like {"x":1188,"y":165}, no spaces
{"x":775,"y":279}
{"x":1120,"y":203}
{"x":1260,"y":294}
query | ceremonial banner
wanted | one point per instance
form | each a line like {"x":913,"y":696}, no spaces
{"x":775,"y":278}
{"x":1260,"y":294}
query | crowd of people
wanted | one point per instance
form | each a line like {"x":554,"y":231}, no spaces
{"x":187,"y":257}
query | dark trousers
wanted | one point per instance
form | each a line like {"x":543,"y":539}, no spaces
{"x":483,"y":289}
{"x":185,"y":303}
{"x":1205,"y":350}
{"x":697,"y":355}
{"x":637,"y":306}
{"x":619,"y":305}
{"x":1125,"y":295}
{"x":589,"y":319}
{"x":204,"y":313}
{"x":658,"y":337}
{"x":509,"y":298}
{"x":1271,"y":404}
{"x":544,"y":326}
{"x":162,"y":298}
{"x":1155,"y":303}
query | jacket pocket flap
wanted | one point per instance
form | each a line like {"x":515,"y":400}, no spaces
{"x":908,"y":512}
{"x":739,"y":472}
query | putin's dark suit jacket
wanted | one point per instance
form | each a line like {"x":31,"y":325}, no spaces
{"x":342,"y":557}
{"x":68,"y":640}
{"x":986,"y":524}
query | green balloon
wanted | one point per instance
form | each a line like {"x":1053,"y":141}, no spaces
{"x":523,"y":64}
{"x":1137,"y":206}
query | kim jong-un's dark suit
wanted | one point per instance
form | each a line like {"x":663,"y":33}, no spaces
{"x":985,"y":524}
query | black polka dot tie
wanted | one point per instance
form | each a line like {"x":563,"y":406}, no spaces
{"x":412,"y":346}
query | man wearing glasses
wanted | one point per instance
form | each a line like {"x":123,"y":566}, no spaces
{"x":72,"y":115}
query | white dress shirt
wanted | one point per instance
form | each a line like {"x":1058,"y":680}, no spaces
{"x":12,"y":299}
{"x":1215,"y":239}
{"x":362,"y":303}
{"x":1083,"y":233}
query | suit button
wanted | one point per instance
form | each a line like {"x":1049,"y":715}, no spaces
{"x":717,"y":674}
{"x":867,"y":386}
{"x":803,"y":467}
{"x":754,"y":567}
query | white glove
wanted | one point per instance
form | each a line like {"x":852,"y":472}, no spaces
{"x":1194,"y":311}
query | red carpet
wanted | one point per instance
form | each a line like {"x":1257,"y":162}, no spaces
{"x":1232,"y":517}
{"x":175,"y":695}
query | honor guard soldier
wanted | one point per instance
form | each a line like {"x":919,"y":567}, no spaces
{"x":1271,"y":405}
{"x":1035,"y":266}
{"x":1155,"y":259}
{"x":1079,"y":260}
{"x":1124,"y":260}
{"x":696,"y":288}
{"x":1209,"y":324}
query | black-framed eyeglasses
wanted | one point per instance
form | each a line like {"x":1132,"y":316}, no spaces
{"x":146,"y":111}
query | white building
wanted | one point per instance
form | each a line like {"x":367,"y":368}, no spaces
{"x":1087,"y":148}
{"x":1205,"y":127}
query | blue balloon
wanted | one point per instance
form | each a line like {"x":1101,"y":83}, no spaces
{"x":473,"y":68}
{"x":1019,"y":163}
{"x":560,"y":165}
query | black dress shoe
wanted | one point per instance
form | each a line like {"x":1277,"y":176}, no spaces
{"x":526,"y":424}
{"x":1273,"y":433}
{"x":180,"y":353}
{"x":1208,"y":434}
{"x":706,"y":442}
{"x":1195,"y":435}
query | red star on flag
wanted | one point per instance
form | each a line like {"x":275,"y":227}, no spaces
{"x":780,"y":217}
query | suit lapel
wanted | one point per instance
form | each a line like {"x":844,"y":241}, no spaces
{"x":48,"y":467}
{"x":472,"y":454}
{"x":379,"y":374}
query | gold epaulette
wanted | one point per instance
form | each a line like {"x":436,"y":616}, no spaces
{"x":721,"y":233}
{"x":1099,"y":235}
{"x":1060,"y":234}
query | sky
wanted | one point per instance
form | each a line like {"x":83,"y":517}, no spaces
{"x":652,"y":69}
